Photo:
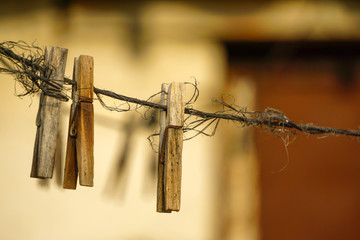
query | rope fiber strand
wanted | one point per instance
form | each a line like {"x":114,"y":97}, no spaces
{"x":29,"y":70}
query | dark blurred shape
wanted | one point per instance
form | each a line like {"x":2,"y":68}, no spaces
{"x":152,"y":124}
{"x":316,"y":196}
{"x":346,"y":72}
{"x":343,"y":55}
{"x":20,"y":6}
{"x":239,"y":51}
{"x":117,"y":180}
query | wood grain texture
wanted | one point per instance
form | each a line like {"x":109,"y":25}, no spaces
{"x":71,"y":171}
{"x":175,"y":104}
{"x":85,"y":124}
{"x":160,"y":207}
{"x":86,"y":77}
{"x":173,"y":149}
{"x":48,"y":117}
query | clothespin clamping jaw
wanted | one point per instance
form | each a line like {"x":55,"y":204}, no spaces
{"x":170,"y":147}
{"x":80,"y":145}
{"x":47,"y":120}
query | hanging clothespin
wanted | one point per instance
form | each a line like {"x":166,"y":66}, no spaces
{"x":80,"y":147}
{"x":170,"y":147}
{"x":71,"y":170}
{"x":47,"y":120}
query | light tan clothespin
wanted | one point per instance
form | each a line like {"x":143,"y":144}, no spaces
{"x":80,"y":148}
{"x":170,"y":147}
{"x":47,"y":120}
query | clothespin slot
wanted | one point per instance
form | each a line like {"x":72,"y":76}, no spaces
{"x":47,"y":120}
{"x":170,"y":148}
{"x":71,"y":170}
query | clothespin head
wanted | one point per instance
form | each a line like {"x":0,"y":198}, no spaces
{"x":171,"y":150}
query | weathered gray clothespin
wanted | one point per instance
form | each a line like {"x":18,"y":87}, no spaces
{"x":47,"y":120}
{"x":80,"y":146}
{"x":170,"y":147}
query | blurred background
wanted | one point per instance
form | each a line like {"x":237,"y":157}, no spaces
{"x":301,"y":57}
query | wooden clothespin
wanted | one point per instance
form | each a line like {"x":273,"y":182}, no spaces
{"x":71,"y":170}
{"x":170,"y":147}
{"x":47,"y":120}
{"x":80,"y":146}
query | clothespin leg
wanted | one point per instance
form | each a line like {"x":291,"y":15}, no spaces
{"x":160,"y":207}
{"x":85,"y":123}
{"x":71,"y":171}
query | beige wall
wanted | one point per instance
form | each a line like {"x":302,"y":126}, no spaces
{"x":30,"y":210}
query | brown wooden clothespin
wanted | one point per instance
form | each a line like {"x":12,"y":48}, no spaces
{"x":80,"y":146}
{"x":170,"y":147}
{"x":47,"y":120}
{"x":71,"y":170}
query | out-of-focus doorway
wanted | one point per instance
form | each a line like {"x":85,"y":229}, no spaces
{"x":313,"y":191}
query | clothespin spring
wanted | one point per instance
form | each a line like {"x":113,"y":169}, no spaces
{"x":73,"y":130}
